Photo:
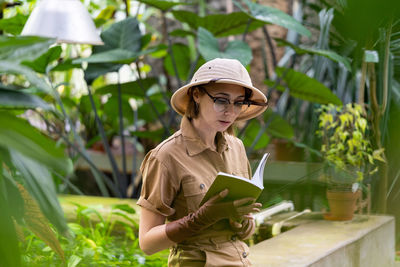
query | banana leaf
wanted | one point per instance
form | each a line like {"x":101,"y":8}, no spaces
{"x":304,"y":87}
{"x":209,"y":48}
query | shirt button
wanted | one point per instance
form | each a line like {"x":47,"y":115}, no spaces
{"x":202,"y":186}
{"x":244,"y":254}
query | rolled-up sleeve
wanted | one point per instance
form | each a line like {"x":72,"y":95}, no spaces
{"x":159,"y":188}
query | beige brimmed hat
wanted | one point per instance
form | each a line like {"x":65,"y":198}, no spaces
{"x":222,"y":70}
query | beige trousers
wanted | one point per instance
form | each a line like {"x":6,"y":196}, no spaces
{"x":213,"y":251}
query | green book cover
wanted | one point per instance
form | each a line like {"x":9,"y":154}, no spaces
{"x":239,"y":187}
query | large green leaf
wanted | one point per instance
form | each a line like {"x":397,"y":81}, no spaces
{"x":117,"y":56}
{"x":209,"y":48}
{"x":252,"y":132}
{"x":17,"y":134}
{"x":219,"y":25}
{"x":162,"y":5}
{"x":124,"y":34}
{"x":182,"y":33}
{"x":12,"y":192}
{"x":9,"y":251}
{"x":111,"y":110}
{"x":20,"y":48}
{"x":95,"y":70}
{"x":301,"y":50}
{"x":277,"y":126}
{"x":105,"y":15}
{"x":134,"y":88}
{"x":274,"y":16}
{"x":66,"y":65}
{"x":40,"y":64}
{"x":13,"y":25}
{"x":181,"y":56}
{"x":39,"y":183}
{"x":122,"y":44}
{"x":304,"y":87}
{"x":146,"y":112}
{"x":13,"y":99}
{"x":14,"y":68}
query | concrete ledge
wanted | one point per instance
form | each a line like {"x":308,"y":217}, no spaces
{"x":366,"y":241}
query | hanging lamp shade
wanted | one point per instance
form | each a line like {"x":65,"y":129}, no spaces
{"x":66,"y":20}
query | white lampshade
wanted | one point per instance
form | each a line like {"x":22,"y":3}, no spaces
{"x":66,"y":20}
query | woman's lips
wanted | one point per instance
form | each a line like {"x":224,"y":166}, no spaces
{"x":224,"y":122}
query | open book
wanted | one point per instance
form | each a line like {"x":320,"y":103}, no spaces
{"x":239,"y":187}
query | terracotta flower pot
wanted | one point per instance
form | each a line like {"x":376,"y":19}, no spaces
{"x":342,"y":205}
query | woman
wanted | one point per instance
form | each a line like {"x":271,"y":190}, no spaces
{"x":179,"y":171}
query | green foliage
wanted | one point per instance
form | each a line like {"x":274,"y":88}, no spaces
{"x":345,"y":143}
{"x":17,"y":134}
{"x":28,"y":156}
{"x":304,"y":87}
{"x":162,"y":4}
{"x":301,"y":50}
{"x":135,"y":89}
{"x":9,"y":253}
{"x":147,"y":113}
{"x":94,"y":241}
{"x":20,"y":48}
{"x":11,"y":67}
{"x":105,"y":15}
{"x":14,"y":99}
{"x":40,"y":64}
{"x":272,"y":15}
{"x":209,"y":48}
{"x":277,"y":126}
{"x":255,"y":136}
{"x":13,"y":25}
{"x":219,"y":25}
{"x":122,"y":45}
{"x":181,"y":58}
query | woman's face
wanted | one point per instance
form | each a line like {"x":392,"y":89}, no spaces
{"x":213,"y":117}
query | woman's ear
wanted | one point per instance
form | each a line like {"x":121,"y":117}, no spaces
{"x":196,"y":95}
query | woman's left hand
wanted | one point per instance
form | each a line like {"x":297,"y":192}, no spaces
{"x":244,"y":228}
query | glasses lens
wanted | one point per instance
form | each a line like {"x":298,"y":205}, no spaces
{"x":221,"y":104}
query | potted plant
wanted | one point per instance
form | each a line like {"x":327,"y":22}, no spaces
{"x":348,"y":156}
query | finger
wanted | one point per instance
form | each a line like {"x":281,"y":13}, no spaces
{"x":248,"y":217}
{"x":245,"y":223}
{"x":243,"y":201}
{"x":246,"y":210}
{"x":259,"y":205}
{"x":235,"y":225}
{"x":219,"y":196}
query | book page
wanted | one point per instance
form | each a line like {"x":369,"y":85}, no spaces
{"x":258,"y":176}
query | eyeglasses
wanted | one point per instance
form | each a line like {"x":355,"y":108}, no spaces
{"x":222,"y":104}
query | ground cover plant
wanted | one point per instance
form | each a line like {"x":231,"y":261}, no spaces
{"x":93,"y":241}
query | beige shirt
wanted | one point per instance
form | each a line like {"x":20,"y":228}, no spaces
{"x":179,"y":171}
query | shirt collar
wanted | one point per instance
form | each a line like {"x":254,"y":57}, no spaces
{"x":194,"y":145}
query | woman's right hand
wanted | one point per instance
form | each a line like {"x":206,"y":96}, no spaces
{"x":215,"y":209}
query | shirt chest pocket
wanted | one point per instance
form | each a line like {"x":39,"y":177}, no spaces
{"x":193,"y":191}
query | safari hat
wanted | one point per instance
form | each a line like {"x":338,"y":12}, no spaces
{"x":222,"y":70}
